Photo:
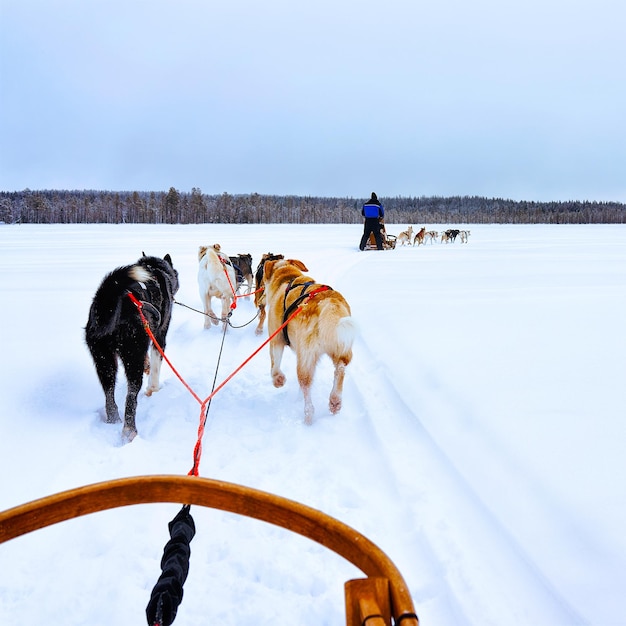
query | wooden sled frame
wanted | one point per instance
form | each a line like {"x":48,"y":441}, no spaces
{"x":372,"y":601}
{"x":389,"y":241}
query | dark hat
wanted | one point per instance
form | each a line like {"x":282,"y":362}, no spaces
{"x":374,"y":197}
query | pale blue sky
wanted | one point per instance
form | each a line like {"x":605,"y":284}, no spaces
{"x":515,"y":99}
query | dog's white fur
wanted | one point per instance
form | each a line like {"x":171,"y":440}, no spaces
{"x":405,"y":235}
{"x":324,"y":326}
{"x":216,"y":279}
{"x":464,"y":234}
{"x":432,"y":235}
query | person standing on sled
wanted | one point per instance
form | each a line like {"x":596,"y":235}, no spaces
{"x":372,"y":211}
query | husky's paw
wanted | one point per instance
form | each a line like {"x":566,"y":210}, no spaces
{"x":334,"y":404}
{"x":128,"y":434}
{"x":279,"y":379}
{"x":152,"y":389}
{"x":113,"y":417}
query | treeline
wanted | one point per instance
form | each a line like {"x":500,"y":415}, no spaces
{"x":176,"y":207}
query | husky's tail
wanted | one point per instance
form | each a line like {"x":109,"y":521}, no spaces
{"x":346,"y":333}
{"x":106,"y":309}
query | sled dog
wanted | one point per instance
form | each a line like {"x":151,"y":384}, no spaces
{"x":324,"y":326}
{"x":115,"y":330}
{"x":259,"y":288}
{"x":405,"y":236}
{"x":243,"y":269}
{"x":419,"y":237}
{"x":216,"y":279}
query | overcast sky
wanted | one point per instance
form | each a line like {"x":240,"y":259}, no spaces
{"x":521,"y":99}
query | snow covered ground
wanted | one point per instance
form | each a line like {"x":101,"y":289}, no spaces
{"x":480,"y":444}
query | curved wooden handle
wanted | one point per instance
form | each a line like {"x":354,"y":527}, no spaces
{"x":293,"y":516}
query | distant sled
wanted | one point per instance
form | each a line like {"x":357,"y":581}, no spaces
{"x":389,"y":241}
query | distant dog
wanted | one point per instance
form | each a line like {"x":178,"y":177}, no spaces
{"x":243,"y":269}
{"x":115,"y":329}
{"x":323,"y":326}
{"x":419,"y":237}
{"x":451,"y":234}
{"x":259,"y":288}
{"x":216,"y":279}
{"x":405,"y":236}
{"x":432,"y":235}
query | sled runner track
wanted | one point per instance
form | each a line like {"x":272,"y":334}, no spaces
{"x":443,"y":519}
{"x":375,"y":599}
{"x":403,"y":480}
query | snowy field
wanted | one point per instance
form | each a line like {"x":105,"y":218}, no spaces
{"x":481,"y":442}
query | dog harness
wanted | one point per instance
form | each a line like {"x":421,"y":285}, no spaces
{"x":304,"y":294}
{"x":238,"y":273}
{"x":140,"y":304}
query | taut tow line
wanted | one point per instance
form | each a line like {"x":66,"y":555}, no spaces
{"x":167,"y":593}
{"x":218,"y":319}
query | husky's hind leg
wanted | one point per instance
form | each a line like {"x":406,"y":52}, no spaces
{"x":105,"y":361}
{"x":134,"y":363}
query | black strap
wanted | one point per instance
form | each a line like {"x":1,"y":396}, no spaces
{"x":364,"y":622}
{"x":238,"y":273}
{"x":295,"y":304}
{"x":406,"y":616}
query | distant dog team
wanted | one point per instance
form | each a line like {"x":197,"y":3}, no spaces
{"x":422,"y":236}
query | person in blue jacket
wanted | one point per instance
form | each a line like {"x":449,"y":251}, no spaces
{"x":372,"y":211}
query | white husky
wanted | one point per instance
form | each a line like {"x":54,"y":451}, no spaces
{"x":405,"y":236}
{"x":216,"y":279}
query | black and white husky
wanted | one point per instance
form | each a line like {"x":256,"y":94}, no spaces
{"x":115,"y":329}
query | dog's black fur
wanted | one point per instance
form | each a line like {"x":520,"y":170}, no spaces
{"x":243,"y":269}
{"x":114,"y":329}
{"x":258,"y":274}
{"x":259,"y":292}
{"x":452,"y":233}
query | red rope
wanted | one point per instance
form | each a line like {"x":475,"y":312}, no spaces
{"x":233,"y":304}
{"x":247,"y":295}
{"x":235,"y":295}
{"x":155,"y":343}
{"x":197,"y":452}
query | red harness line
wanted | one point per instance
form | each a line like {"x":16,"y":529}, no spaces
{"x":233,"y":304}
{"x":246,"y":295}
{"x":235,"y":295}
{"x":197,"y":452}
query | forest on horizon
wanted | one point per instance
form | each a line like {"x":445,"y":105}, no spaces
{"x":177,"y":207}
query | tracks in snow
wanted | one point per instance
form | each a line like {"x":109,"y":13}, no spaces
{"x":451,"y":540}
